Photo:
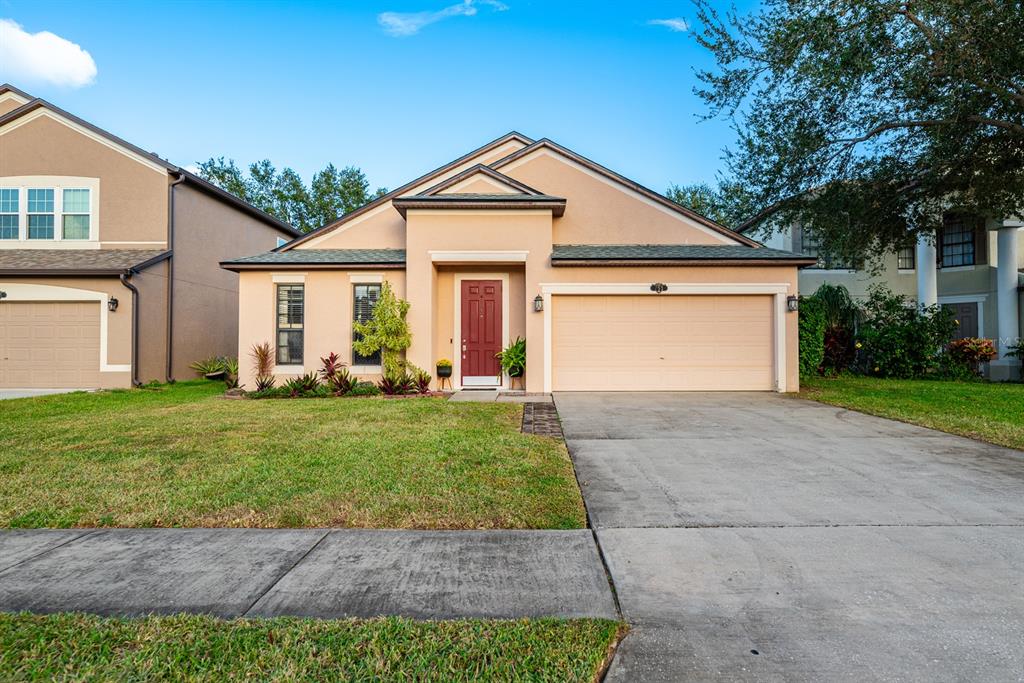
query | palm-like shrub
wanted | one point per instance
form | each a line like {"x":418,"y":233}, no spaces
{"x":303,"y":385}
{"x":397,"y":384}
{"x":263,"y":358}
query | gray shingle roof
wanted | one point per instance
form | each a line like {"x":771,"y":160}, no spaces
{"x":326,"y":257}
{"x":670,"y":252}
{"x":74,"y":260}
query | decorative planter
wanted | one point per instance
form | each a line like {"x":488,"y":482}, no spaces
{"x":444,"y":371}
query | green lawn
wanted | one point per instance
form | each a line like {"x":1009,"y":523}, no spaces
{"x":980,"y":410}
{"x":87,"y":648}
{"x":183,"y":456}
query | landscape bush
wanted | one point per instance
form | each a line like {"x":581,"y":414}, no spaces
{"x":900,"y":339}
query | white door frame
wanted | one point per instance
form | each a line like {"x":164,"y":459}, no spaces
{"x":457,"y":332}
{"x":776,"y":290}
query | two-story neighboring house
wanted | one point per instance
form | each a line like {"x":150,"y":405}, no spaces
{"x":612,"y":286}
{"x":109,"y":256}
{"x":975,"y":267}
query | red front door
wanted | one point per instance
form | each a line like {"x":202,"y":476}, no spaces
{"x":481,"y":328}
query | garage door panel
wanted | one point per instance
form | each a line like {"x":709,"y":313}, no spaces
{"x":49,"y":344}
{"x":662,"y":343}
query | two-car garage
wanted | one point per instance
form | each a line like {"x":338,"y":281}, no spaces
{"x":644,"y":342}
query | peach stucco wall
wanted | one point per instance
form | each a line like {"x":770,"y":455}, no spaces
{"x":132,"y":196}
{"x":599,"y":211}
{"x":328,"y":319}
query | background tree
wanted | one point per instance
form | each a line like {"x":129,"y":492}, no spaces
{"x":724,"y":203}
{"x":866,"y":120}
{"x":282,"y":194}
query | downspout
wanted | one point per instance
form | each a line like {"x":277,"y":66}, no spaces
{"x":125,"y":276}
{"x":169,"y":374}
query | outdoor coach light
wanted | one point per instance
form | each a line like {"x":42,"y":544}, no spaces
{"x":111,"y":304}
{"x":792,"y":303}
{"x":538,"y":303}
{"x":659,"y":287}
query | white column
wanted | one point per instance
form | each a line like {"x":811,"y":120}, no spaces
{"x":927,"y":281}
{"x":1007,"y":299}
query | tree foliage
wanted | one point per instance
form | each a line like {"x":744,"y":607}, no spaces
{"x":386,"y":331}
{"x":726,"y":203}
{"x":866,"y":121}
{"x":331,"y":194}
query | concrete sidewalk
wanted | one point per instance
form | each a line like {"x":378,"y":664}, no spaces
{"x":305,"y":572}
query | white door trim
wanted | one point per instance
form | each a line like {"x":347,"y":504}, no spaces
{"x":457,"y":330}
{"x":777,"y":290}
{"x":17,"y":291}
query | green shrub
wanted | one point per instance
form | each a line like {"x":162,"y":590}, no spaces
{"x":364,"y":389}
{"x":901,"y":339}
{"x":812,"y":336}
{"x":513,"y":359}
{"x":304,"y":385}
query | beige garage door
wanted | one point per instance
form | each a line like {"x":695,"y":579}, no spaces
{"x":49,"y":345}
{"x":662,"y":343}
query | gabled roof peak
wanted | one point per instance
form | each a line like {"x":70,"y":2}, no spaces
{"x":481,"y":170}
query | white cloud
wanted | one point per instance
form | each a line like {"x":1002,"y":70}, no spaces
{"x":676,"y":25}
{"x":42,"y":58}
{"x":409,"y":23}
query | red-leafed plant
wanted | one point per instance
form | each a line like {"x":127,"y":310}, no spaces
{"x":397,"y":384}
{"x":422,"y":381}
{"x":335,"y":374}
{"x":971,"y":352}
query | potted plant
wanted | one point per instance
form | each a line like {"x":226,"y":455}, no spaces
{"x":444,"y":368}
{"x":513,"y":359}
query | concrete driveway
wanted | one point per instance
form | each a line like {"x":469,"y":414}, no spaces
{"x":29,"y":393}
{"x":753,"y":536}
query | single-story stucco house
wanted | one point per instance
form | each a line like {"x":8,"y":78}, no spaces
{"x":613,"y":286}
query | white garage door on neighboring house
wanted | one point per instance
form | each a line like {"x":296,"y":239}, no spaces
{"x":49,"y":344}
{"x":662,"y":343}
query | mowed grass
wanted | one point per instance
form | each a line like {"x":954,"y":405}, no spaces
{"x":88,"y":648}
{"x":979,"y":410}
{"x":183,"y":456}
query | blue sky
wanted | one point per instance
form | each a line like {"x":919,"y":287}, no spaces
{"x":307,"y":83}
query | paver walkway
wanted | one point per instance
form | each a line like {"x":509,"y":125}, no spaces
{"x":759,"y":537}
{"x":305,"y":572}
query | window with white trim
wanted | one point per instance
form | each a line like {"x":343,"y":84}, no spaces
{"x":10,"y":213}
{"x":75,"y":214}
{"x":47,"y":210}
{"x":906,"y":258}
{"x":364,"y":299}
{"x":957,"y":242}
{"x":40,"y":213}
{"x":290,"y":323}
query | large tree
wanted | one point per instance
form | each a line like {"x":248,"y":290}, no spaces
{"x":867,"y":121}
{"x":283,"y":195}
{"x":726,"y":203}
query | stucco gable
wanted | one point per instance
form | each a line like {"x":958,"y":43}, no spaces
{"x":376,"y":224}
{"x":480,"y":179}
{"x":608,"y":208}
